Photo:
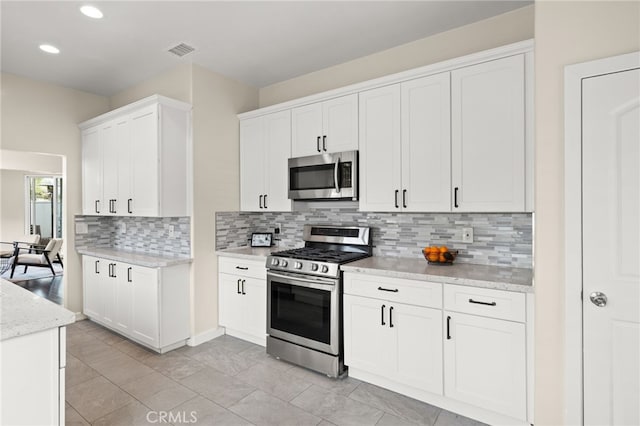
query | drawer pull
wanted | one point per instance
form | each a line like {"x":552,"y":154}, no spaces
{"x":482,"y":303}
{"x":395,"y":290}
{"x":244,"y":268}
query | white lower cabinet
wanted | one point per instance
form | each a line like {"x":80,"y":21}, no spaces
{"x":242,"y":299}
{"x":461,"y":348}
{"x":148,"y":305}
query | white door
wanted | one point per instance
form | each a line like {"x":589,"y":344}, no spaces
{"x":124,"y":298}
{"x":611,"y":234}
{"x":340,"y":124}
{"x":426,"y":144}
{"x":92,"y":172}
{"x":380,"y":151}
{"x":144,"y":321}
{"x":488,"y":136}
{"x":252,"y":164}
{"x":254,"y":306}
{"x":306,"y":130}
{"x":125,"y":167}
{"x":485,"y":363}
{"x":230,"y":301}
{"x":109,"y":138}
{"x":277,"y":143}
{"x":418,"y":334}
{"x":93,"y":270}
{"x":145,"y":152}
{"x":109,"y":285}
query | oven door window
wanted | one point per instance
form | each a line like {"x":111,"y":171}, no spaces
{"x":301,"y":311}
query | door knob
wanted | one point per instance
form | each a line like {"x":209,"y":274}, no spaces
{"x":598,"y":299}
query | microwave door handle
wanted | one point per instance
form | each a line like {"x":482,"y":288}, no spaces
{"x":335,"y":175}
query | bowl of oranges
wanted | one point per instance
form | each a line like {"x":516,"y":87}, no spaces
{"x":439,"y":255}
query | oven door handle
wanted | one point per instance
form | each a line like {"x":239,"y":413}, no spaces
{"x":304,"y":282}
{"x":335,"y":175}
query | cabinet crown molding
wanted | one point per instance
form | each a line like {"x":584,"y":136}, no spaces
{"x":525,"y":46}
{"x":149,"y":100}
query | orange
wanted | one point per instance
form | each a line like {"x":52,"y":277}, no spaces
{"x":444,"y":249}
{"x":441,"y":258}
{"x":433,"y":257}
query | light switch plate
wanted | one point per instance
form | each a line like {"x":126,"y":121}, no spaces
{"x":82,"y":228}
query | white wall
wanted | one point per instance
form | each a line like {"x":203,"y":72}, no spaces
{"x":566,"y":32}
{"x":12,"y":203}
{"x":503,"y":29}
{"x":43,"y":118}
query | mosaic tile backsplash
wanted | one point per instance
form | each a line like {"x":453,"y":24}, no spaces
{"x":502,"y":239}
{"x":142,"y":234}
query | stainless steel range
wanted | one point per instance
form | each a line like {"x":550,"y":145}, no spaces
{"x":304,"y":297}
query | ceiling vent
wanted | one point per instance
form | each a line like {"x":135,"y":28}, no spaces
{"x":181,"y":49}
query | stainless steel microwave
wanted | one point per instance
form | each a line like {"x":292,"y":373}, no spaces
{"x":324,"y":177}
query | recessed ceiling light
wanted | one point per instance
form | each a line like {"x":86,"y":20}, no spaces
{"x":91,"y":12}
{"x":49,"y":49}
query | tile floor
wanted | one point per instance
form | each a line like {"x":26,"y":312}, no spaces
{"x":227,"y":381}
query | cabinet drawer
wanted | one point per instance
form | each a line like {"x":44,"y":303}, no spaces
{"x":486,"y":302}
{"x":420,"y":293}
{"x":246,"y":268}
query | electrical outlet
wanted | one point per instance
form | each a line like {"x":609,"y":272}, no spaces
{"x":172,"y":231}
{"x":467,"y":235}
{"x":82,"y":228}
{"x":123,"y":227}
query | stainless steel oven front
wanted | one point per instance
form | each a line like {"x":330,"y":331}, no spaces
{"x":324,"y":176}
{"x":304,"y":310}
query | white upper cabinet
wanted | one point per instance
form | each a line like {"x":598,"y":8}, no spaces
{"x":135,"y":160}
{"x":323,"y":127}
{"x":265,"y":147}
{"x":488,"y":136}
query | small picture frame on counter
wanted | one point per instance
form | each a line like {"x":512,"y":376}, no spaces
{"x":261,"y":239}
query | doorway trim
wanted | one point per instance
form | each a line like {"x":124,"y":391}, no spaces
{"x":573,"y":368}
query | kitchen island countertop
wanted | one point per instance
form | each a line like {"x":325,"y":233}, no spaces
{"x":495,"y":277}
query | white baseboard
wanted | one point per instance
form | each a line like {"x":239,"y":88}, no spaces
{"x":205,"y":336}
{"x":80,"y":316}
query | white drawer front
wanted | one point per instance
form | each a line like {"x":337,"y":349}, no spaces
{"x":491,"y":303}
{"x":246,"y":268}
{"x":411,"y":292}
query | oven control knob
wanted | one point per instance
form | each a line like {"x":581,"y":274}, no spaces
{"x":283,"y":263}
{"x":297,"y":265}
{"x":314,"y":266}
{"x":275,"y":262}
{"x":325,"y":268}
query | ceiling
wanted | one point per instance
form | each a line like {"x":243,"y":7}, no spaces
{"x":258,"y":43}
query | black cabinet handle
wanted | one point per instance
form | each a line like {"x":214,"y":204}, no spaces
{"x":243,"y":281}
{"x":114,"y":270}
{"x":396,"y":199}
{"x":404,"y":198}
{"x":260,"y":201}
{"x":115,"y":209}
{"x":395,"y":290}
{"x":382,"y":316}
{"x":238,"y":286}
{"x":129,"y":205}
{"x":391,"y":316}
{"x":109,"y":270}
{"x":97,"y":206}
{"x":243,"y":268}
{"x":97,"y":263}
{"x":455,"y":197}
{"x":265,"y":201}
{"x":477,"y":302}
{"x":448,"y":328}
{"x":324,"y":143}
{"x":318,"y":144}
{"x":129,"y":274}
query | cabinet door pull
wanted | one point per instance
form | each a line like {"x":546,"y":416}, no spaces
{"x":109,"y":270}
{"x":404,"y":198}
{"x":129,"y":274}
{"x":455,"y":197}
{"x":448,"y":328}
{"x":115,"y":207}
{"x":324,"y":143}
{"x":391,"y":316}
{"x":97,"y":263}
{"x":238,"y":286}
{"x":318,"y":144}
{"x":243,"y":268}
{"x":477,"y":302}
{"x":129,"y":205}
{"x":265,"y":201}
{"x":395,"y":290}
{"x":382,"y":315}
{"x":97,"y":206}
{"x":114,"y":270}
{"x":243,"y":281}
{"x":396,"y":199}
{"x":260,"y":201}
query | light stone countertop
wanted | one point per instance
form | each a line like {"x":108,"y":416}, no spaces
{"x":495,"y":277}
{"x":134,"y":257}
{"x":22,"y":312}
{"x":250,"y":253}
